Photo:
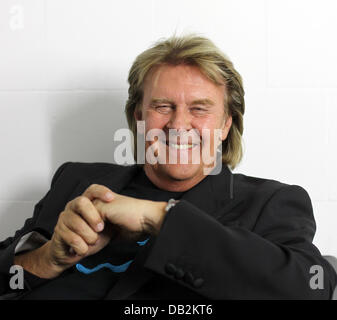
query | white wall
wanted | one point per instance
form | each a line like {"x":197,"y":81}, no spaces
{"x":63,"y":72}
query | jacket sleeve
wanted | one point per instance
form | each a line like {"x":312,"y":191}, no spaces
{"x":7,"y":247}
{"x":271,"y":261}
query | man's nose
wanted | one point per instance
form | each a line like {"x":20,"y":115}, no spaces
{"x":180,"y":120}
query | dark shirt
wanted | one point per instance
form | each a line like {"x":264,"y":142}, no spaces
{"x":72,"y":284}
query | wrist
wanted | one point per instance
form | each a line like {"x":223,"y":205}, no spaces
{"x":154,"y":216}
{"x":39,"y":263}
{"x":53,"y":269}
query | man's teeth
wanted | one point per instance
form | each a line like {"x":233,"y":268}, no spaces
{"x":182,"y":146}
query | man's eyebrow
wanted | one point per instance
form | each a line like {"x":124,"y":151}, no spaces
{"x":205,"y":102}
{"x":161,"y":100}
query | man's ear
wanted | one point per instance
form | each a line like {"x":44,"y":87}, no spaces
{"x":226,"y":127}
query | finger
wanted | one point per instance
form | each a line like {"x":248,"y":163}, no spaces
{"x":85,"y":208}
{"x":96,"y":191}
{"x":100,"y":206}
{"x":77,"y":224}
{"x":73,"y":240}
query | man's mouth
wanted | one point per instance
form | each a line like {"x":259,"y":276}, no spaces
{"x":181,"y":146}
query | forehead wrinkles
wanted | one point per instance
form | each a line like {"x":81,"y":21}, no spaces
{"x":178,"y":83}
{"x":181,"y":74}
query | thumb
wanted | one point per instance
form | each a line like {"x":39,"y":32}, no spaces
{"x":96,"y":191}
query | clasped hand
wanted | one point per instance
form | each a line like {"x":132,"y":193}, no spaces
{"x":90,"y":221}
{"x":130,"y":215}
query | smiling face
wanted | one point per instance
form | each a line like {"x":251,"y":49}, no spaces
{"x":182,"y":98}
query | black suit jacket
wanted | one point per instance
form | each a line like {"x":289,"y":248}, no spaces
{"x":230,"y":237}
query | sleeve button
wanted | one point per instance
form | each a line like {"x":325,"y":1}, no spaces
{"x":170,"y":268}
{"x":188,"y":278}
{"x":198,"y":282}
{"x":179,"y":274}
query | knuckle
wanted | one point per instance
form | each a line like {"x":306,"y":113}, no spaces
{"x":65,"y":217}
{"x":57,"y":229}
{"x":92,"y":239}
{"x":62,"y":218}
{"x":74,"y":242}
{"x":93,"y":187}
{"x":81,"y":201}
{"x":79,"y":228}
{"x":82,"y":229}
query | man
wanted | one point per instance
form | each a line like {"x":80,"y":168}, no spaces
{"x":171,"y":230}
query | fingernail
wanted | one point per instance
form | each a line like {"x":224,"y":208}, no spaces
{"x":100,"y":227}
{"x":108,"y":196}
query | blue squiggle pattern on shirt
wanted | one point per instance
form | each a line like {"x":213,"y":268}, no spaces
{"x":121,"y":268}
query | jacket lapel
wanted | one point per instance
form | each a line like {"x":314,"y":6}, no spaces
{"x":212,"y":193}
{"x":116,"y":180}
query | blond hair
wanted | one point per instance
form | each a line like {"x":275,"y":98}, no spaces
{"x":201,"y":52}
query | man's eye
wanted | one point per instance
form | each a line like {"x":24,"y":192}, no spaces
{"x":163,"y":108}
{"x":198,"y":110}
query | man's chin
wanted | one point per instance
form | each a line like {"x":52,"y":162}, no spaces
{"x":181,"y":172}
